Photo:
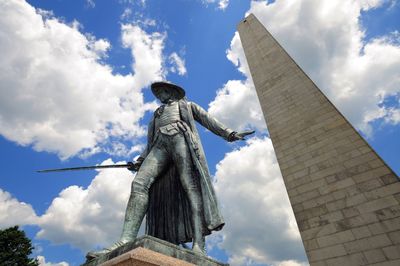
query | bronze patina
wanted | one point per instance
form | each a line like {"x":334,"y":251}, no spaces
{"x":172,"y":186}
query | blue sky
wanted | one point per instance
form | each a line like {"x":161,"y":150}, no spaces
{"x":74,"y":87}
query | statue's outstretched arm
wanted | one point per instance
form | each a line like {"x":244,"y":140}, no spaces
{"x":212,"y":124}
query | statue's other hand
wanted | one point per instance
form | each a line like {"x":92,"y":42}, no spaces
{"x":240,"y":135}
{"x":134,"y":166}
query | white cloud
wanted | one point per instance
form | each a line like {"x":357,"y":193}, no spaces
{"x":126,"y":14}
{"x":90,"y":3}
{"x":178,"y":64}
{"x":77,"y":212}
{"x":236,"y":103}
{"x":243,"y":260}
{"x":236,"y":55}
{"x":121,"y":150}
{"x":222,"y":4}
{"x":131,"y":2}
{"x":149,"y":22}
{"x":393,"y":116}
{"x":292,"y":263}
{"x":96,"y":211}
{"x":42,"y":262}
{"x":57,"y":96}
{"x":237,"y":106}
{"x":14,"y":212}
{"x":100,"y":47}
{"x":248,"y":180}
{"x":147,"y":51}
{"x":327,"y":40}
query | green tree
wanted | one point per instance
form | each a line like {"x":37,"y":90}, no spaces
{"x":15,"y":248}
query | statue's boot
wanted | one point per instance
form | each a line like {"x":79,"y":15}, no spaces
{"x":135,"y":211}
{"x":200,"y":246}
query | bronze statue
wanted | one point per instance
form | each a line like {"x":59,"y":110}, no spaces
{"x":173,"y":185}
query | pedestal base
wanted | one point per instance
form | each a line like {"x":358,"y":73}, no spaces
{"x":144,"y":257}
{"x":148,"y":250}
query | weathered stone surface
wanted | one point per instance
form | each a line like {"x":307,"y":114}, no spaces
{"x":144,"y":257}
{"x":160,"y":250}
{"x":344,"y":197}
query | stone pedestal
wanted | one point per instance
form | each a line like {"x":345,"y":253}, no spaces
{"x":151,"y":251}
{"x":144,"y":257}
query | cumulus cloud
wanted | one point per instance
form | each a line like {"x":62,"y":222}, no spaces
{"x":147,"y":51}
{"x":14,"y":212}
{"x":236,"y":55}
{"x":236,"y":105}
{"x":261,"y":227}
{"x":97,"y":211}
{"x":77,"y":212}
{"x":42,"y":262}
{"x":327,"y":40}
{"x":57,"y":96}
{"x":393,"y":116}
{"x":100,"y":47}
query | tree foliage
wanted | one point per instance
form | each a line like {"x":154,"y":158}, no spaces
{"x":15,"y":248}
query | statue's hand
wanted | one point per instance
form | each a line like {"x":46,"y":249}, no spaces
{"x":239,"y":135}
{"x":136,"y":165}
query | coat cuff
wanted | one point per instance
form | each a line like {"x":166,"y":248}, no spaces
{"x":231,"y":136}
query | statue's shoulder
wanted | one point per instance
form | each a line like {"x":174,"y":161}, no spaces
{"x":185,"y":102}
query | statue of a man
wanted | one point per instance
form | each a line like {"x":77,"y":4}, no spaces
{"x":173,"y":185}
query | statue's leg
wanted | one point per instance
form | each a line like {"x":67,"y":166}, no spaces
{"x":184,"y":165}
{"x":152,"y":166}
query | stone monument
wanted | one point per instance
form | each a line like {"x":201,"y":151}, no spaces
{"x":172,"y":187}
{"x":344,"y":197}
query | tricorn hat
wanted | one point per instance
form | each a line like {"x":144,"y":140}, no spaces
{"x":178,"y":92}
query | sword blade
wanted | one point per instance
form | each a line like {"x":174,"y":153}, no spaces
{"x":84,"y":168}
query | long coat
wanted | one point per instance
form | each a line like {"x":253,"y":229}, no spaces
{"x":168,"y":215}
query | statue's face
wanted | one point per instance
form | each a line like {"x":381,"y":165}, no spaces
{"x":164,"y":95}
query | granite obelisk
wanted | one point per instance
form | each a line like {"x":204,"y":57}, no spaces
{"x":345,"y":198}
